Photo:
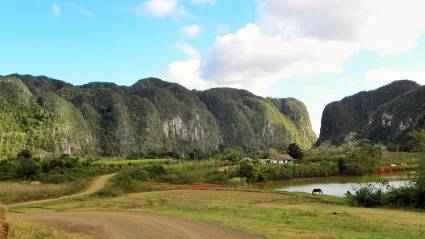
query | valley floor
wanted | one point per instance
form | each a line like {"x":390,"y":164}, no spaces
{"x":194,"y":213}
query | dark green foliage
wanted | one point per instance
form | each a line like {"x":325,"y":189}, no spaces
{"x":382,"y":115}
{"x":51,"y":170}
{"x":152,"y":118}
{"x":233,"y":154}
{"x":361,"y":160}
{"x":295,"y":151}
{"x":412,"y":195}
{"x":255,"y":123}
{"x":155,"y":171}
{"x":27,"y":168}
{"x":247,"y":170}
{"x":415,"y":141}
{"x":368,"y":196}
{"x":25,"y":154}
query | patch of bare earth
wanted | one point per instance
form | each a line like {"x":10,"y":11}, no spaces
{"x":117,"y":225}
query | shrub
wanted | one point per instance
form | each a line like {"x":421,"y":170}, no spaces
{"x":247,"y":170}
{"x":27,"y":168}
{"x":155,"y":171}
{"x":233,"y":154}
{"x":295,"y":151}
{"x":369,"y":195}
{"x":361,"y":160}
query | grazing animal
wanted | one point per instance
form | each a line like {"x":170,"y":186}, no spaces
{"x":316,"y":191}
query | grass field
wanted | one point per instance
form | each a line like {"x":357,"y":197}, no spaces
{"x":21,"y":230}
{"x":17,"y":192}
{"x":275,"y":215}
{"x":121,"y":162}
{"x":409,"y":161}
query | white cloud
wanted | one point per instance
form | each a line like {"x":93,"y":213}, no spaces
{"x":308,"y":37}
{"x":186,"y":73}
{"x":186,"y":49}
{"x":191,"y":31}
{"x":56,"y":10}
{"x":388,"y":75}
{"x":82,"y":10}
{"x":161,"y":8}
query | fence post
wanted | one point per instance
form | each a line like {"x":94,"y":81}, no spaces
{"x":4,"y":224}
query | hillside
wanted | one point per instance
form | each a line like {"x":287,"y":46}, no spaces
{"x":151,"y":117}
{"x":381,"y":115}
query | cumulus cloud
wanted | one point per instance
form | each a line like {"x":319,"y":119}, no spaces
{"x":161,"y":8}
{"x":186,"y":49}
{"x":191,"y":31}
{"x":56,"y":10}
{"x":82,"y":10}
{"x":388,"y":75}
{"x":307,"y":37}
{"x":187,"y":73}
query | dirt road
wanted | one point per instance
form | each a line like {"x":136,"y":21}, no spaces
{"x":125,"y":224}
{"x":96,"y":185}
{"x":132,"y":225}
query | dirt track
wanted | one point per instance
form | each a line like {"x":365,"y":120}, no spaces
{"x":121,"y":224}
{"x":96,"y":185}
{"x":125,"y":224}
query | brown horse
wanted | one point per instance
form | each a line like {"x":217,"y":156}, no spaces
{"x":316,"y":191}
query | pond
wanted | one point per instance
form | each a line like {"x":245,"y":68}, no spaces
{"x":335,"y":186}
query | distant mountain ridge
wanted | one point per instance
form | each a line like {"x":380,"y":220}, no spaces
{"x":52,"y":117}
{"x":381,"y":115}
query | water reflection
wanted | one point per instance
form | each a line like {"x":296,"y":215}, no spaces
{"x":336,"y":186}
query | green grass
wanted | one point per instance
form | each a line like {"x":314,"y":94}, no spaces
{"x":126,"y":162}
{"x":403,"y":160}
{"x":275,"y":215}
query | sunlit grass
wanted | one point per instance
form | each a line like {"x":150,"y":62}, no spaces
{"x":21,"y":230}
{"x":275,"y":215}
{"x":17,"y":192}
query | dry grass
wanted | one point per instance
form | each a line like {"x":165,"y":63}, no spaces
{"x":19,"y":192}
{"x":21,"y":230}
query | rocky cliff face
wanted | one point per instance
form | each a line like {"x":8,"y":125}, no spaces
{"x":381,"y":115}
{"x":53,"y":117}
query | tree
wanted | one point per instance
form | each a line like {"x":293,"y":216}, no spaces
{"x":295,"y":151}
{"x":247,"y":170}
{"x":27,"y":168}
{"x":233,"y":154}
{"x":416,"y":140}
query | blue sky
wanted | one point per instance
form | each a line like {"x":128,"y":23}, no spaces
{"x":316,"y":51}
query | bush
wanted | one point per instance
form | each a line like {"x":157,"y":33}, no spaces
{"x":415,"y":141}
{"x":155,"y":171}
{"x":247,"y":170}
{"x":233,"y":154}
{"x":368,"y":196}
{"x":27,"y":168}
{"x":358,"y":161}
{"x":295,"y":151}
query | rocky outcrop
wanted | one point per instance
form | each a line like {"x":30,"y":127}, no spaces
{"x":53,"y":117}
{"x":382,"y":115}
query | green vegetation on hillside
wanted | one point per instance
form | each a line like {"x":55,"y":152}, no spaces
{"x":383,"y":115}
{"x":152,"y":118}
